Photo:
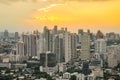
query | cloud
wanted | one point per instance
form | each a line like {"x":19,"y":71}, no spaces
{"x":12,"y":1}
{"x":48,"y":7}
{"x":8,"y":2}
{"x":76,"y":0}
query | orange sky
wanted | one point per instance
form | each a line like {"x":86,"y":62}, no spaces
{"x":94,"y":15}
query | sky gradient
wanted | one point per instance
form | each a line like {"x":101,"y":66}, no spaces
{"x":27,"y":15}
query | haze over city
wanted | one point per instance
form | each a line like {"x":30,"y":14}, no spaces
{"x":59,"y":39}
{"x":29,"y":15}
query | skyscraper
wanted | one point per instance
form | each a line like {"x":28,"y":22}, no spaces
{"x":85,"y":47}
{"x":73,"y":46}
{"x":113,"y":55}
{"x":48,"y":59}
{"x":58,"y":47}
{"x":30,"y":44}
{"x":100,"y":43}
{"x":6,"y":35}
{"x":40,"y":45}
{"x":25,"y":39}
{"x":67,"y":44}
{"x":100,"y":46}
{"x":47,"y":34}
{"x":20,"y":48}
{"x":16,"y":36}
{"x":33,"y":45}
{"x":20,"y":51}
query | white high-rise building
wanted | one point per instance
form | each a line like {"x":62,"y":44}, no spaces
{"x":40,"y":45}
{"x":25,"y":39}
{"x":80,"y":33}
{"x":74,"y":46}
{"x":20,"y":48}
{"x":100,"y":43}
{"x":30,"y":44}
{"x":85,"y":47}
{"x":58,"y":47}
{"x":100,"y":46}
{"x":67,"y":44}
{"x":19,"y":51}
{"x":113,"y":55}
{"x":33,"y":45}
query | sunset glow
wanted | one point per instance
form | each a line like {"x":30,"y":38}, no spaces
{"x":80,"y":14}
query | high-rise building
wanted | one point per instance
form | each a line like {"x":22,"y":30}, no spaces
{"x":6,"y":35}
{"x":88,"y":31}
{"x":30,"y":44}
{"x":73,"y":46}
{"x":48,"y":59}
{"x":112,"y":36}
{"x":99,"y":35}
{"x":47,"y":34}
{"x":113,"y":55}
{"x":26,"y":39}
{"x":16,"y":36}
{"x":40,"y":45}
{"x":20,"y":48}
{"x":85,"y":68}
{"x":100,"y":46}
{"x":85,"y":47}
{"x":55,"y":30}
{"x":33,"y":45}
{"x":80,"y":33}
{"x":58,"y":47}
{"x":19,"y":51}
{"x":67,"y":44}
{"x":43,"y":59}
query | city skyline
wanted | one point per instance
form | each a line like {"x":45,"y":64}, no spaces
{"x":29,"y":15}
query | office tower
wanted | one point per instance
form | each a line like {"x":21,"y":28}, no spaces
{"x":99,"y":35}
{"x":100,"y":46}
{"x":6,"y":35}
{"x":48,"y":59}
{"x":88,"y":31}
{"x":85,"y":68}
{"x":67,"y":44}
{"x":73,"y":46}
{"x":30,"y":44}
{"x":33,"y":45}
{"x":17,"y":52}
{"x":47,"y":34}
{"x":51,"y":41}
{"x":40,"y":45}
{"x":20,"y":48}
{"x":113,"y":54}
{"x":100,"y":43}
{"x":51,"y":60}
{"x":25,"y":39}
{"x":20,"y":51}
{"x":43,"y":59}
{"x":55,"y":30}
{"x":37,"y":33}
{"x":85,"y":47}
{"x":58,"y":47}
{"x":80,"y":33}
{"x":16,"y":36}
{"x":65,"y":29}
{"x":112,"y":36}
